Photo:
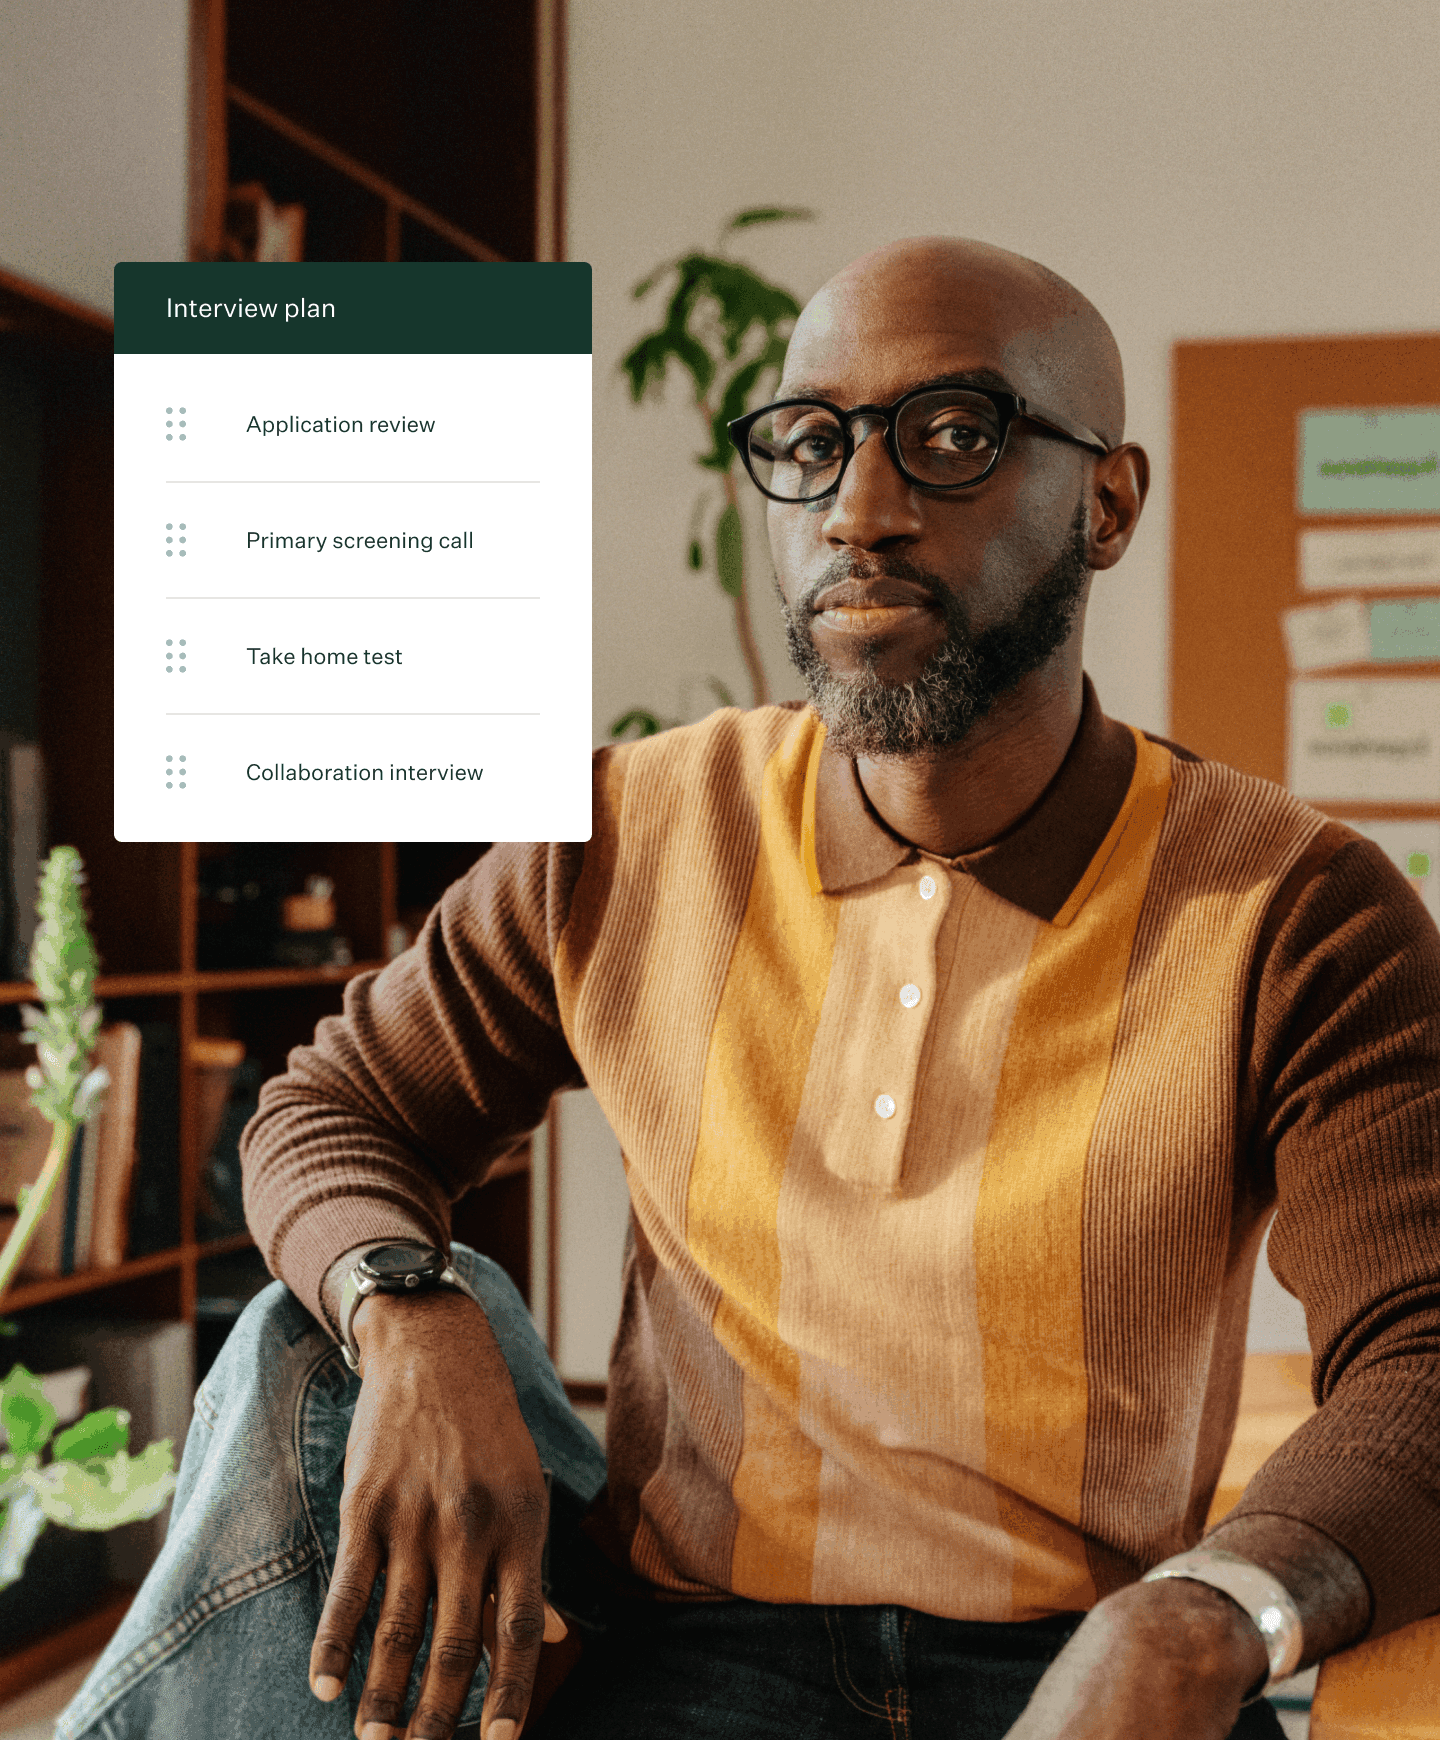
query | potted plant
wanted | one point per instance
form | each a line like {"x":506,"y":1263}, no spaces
{"x":89,"y":1480}
{"x":727,"y":328}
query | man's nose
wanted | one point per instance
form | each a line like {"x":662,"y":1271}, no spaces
{"x":875,"y":502}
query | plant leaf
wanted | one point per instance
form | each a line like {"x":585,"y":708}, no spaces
{"x":106,"y":1494}
{"x":644,"y":722}
{"x":695,"y":555}
{"x":101,"y":1433}
{"x":735,"y":403}
{"x":90,"y":1095}
{"x":22,"y":1521}
{"x":768,"y":214}
{"x":730,"y":551}
{"x":645,"y":364}
{"x":744,"y":298}
{"x":28,"y":1417}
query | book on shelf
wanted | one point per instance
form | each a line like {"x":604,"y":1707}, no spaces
{"x":112,"y":1177}
{"x":154,"y":1200}
{"x":22,"y":850}
{"x":86,"y":1224}
{"x":228,"y":1093}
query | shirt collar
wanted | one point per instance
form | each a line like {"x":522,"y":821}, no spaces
{"x":1036,"y":864}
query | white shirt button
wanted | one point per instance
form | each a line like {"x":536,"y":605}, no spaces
{"x":884,"y":1106}
{"x":909,"y":995}
{"x":927,"y":887}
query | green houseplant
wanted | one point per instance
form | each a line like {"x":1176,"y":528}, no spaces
{"x":90,"y":1481}
{"x":726,"y":328}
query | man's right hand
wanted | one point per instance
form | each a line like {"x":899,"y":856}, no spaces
{"x":443,"y":1492}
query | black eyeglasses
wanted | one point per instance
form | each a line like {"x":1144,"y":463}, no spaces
{"x":939,"y":437}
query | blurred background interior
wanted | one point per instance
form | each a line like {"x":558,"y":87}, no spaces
{"x":1245,"y":192}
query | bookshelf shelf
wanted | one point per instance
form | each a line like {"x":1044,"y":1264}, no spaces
{"x":111,"y":985}
{"x":84,"y":1281}
{"x":28,"y":1294}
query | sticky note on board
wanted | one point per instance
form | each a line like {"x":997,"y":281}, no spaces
{"x":1405,"y":629}
{"x":1317,"y":635}
{"x":1373,"y":558}
{"x":1385,"y":461}
{"x":1364,"y":739}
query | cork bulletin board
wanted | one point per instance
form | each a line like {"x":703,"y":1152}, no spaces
{"x":1306,"y":575}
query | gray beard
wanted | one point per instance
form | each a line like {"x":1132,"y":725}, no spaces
{"x":961,"y":682}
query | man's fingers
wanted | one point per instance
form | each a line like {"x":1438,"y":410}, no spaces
{"x":397,"y":1641}
{"x":454,"y":1656}
{"x":357,"y":1564}
{"x":555,"y":1627}
{"x":520,"y":1625}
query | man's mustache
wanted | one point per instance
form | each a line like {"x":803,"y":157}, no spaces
{"x":851,"y":567}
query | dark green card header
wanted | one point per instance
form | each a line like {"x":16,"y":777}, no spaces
{"x":419,"y":307}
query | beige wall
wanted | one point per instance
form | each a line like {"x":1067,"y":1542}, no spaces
{"x":1197,"y":169}
{"x":93,"y":120}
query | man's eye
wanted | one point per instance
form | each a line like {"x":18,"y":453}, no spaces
{"x":811,"y":446}
{"x":961,"y":434}
{"x":813,"y":449}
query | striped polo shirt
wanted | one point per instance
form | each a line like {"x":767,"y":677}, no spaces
{"x":947,"y":1176}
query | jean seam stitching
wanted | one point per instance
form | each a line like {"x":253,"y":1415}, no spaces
{"x":225,"y":1595}
{"x":866,"y":1706}
{"x":302,"y":1395}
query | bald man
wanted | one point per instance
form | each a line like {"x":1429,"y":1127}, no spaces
{"x":961,"y":1043}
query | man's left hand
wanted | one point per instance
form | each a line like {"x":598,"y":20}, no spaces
{"x":1169,"y":1660}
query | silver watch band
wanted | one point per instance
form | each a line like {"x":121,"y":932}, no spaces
{"x":359,"y":1286}
{"x":1267,"y":1601}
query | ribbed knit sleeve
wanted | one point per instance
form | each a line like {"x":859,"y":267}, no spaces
{"x":438,"y":1064}
{"x":1347,"y":1041}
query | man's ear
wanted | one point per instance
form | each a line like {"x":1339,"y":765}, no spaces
{"x":1118,"y":490}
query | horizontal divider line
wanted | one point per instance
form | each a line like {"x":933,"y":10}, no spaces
{"x":352,"y":715}
{"x":352,"y":597}
{"x":351,"y":482}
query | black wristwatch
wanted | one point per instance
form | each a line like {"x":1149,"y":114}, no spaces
{"x":402,"y":1266}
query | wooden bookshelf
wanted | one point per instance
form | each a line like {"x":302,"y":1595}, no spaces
{"x":430,"y":132}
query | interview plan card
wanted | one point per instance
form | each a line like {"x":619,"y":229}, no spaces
{"x":352,"y":552}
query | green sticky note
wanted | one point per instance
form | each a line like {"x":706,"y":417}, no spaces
{"x":1370,"y":462}
{"x":1405,"y":629}
{"x":1418,"y":864}
{"x":1337,"y":714}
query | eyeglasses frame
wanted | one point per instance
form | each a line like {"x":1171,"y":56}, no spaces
{"x":1009,"y":407}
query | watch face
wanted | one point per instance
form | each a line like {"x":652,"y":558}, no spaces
{"x":390,"y":1262}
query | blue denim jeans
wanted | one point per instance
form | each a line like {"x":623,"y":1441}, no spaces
{"x":217,"y":1642}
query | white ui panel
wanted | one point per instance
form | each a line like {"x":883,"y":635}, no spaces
{"x":352,"y":552}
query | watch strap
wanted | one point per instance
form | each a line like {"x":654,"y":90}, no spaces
{"x":359,"y":1286}
{"x":1266,"y":1600}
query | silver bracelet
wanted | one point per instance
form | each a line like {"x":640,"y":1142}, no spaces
{"x":1273,"y":1613}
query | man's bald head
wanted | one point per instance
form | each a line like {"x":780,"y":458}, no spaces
{"x":1047,"y":340}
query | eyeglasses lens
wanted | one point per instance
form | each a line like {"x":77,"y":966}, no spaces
{"x":946,"y":438}
{"x":796,"y":451}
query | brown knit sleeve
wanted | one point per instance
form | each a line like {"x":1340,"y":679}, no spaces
{"x":1345,"y":1074}
{"x":437,"y":1065}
